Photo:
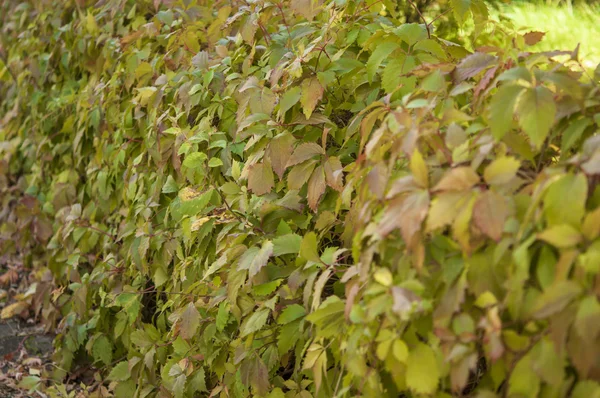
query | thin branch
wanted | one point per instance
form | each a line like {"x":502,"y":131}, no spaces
{"x":422,"y":17}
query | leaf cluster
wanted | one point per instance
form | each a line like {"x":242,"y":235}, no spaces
{"x":301,"y":199}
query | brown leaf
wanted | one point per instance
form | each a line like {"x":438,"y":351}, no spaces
{"x":14,"y":309}
{"x":316,"y":187}
{"x":532,"y":38}
{"x":407,"y":213}
{"x":304,"y":152}
{"x":472,"y":65}
{"x":312,"y":92}
{"x":190,"y":320}
{"x":299,"y":174}
{"x":485,"y":80}
{"x":352,"y":290}
{"x":307,"y":8}
{"x":333,"y":173}
{"x":10,"y":276}
{"x":490,"y":213}
{"x":279,"y":152}
{"x":458,"y":179}
{"x":260,"y":178}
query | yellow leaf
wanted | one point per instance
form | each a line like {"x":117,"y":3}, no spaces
{"x":419,"y":169}
{"x":501,"y":170}
{"x":13,"y":309}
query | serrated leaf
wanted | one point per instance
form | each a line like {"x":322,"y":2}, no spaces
{"x":254,"y":322}
{"x":102,"y":350}
{"x":291,"y":313}
{"x":381,"y":52}
{"x":472,"y":64}
{"x":120,"y":372}
{"x":536,"y":110}
{"x":489,"y":214}
{"x":189,"y":322}
{"x":308,"y":247}
{"x":260,"y":178}
{"x":422,"y":373}
{"x":406,"y":213}
{"x":254,"y":259}
{"x":457,"y":179}
{"x":312,"y":92}
{"x":279,"y":152}
{"x":287,"y":244}
{"x":222,"y":315}
{"x":316,"y":187}
{"x":194,"y":160}
{"x":170,"y":185}
{"x":299,"y":174}
{"x":394,"y":71}
{"x":502,"y":109}
{"x":501,"y":171}
{"x":289,"y":99}
{"x":573,"y":133}
{"x":411,"y":33}
{"x":419,"y":169}
{"x":444,"y":209}
{"x":333,"y":173}
{"x":556,"y":298}
{"x":304,"y":152}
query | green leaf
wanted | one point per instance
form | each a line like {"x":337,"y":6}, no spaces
{"x":289,"y":99}
{"x":561,"y":236}
{"x":573,"y":133}
{"x":502,"y":109}
{"x":287,"y":244}
{"x":215,"y":162}
{"x":120,"y":372}
{"x":170,"y":185}
{"x":197,"y":382}
{"x":411,"y":33}
{"x":254,"y":322}
{"x":308,"y":247}
{"x":254,"y":259}
{"x":555,"y":299}
{"x":573,"y":186}
{"x":381,"y":52}
{"x":536,"y":111}
{"x":267,"y":288}
{"x":422,"y":373}
{"x":291,"y":313}
{"x":222,"y":316}
{"x":102,"y":350}
{"x":194,"y":160}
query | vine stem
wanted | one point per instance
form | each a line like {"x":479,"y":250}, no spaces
{"x":422,"y":17}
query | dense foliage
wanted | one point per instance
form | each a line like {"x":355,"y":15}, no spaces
{"x":301,"y":199}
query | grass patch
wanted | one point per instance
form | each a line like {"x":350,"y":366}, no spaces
{"x":565,"y":26}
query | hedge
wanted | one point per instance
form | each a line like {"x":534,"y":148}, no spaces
{"x":301,"y":199}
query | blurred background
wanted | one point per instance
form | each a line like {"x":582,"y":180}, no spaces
{"x":565,"y":22}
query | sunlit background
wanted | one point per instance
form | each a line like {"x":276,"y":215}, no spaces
{"x":566,"y":24}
